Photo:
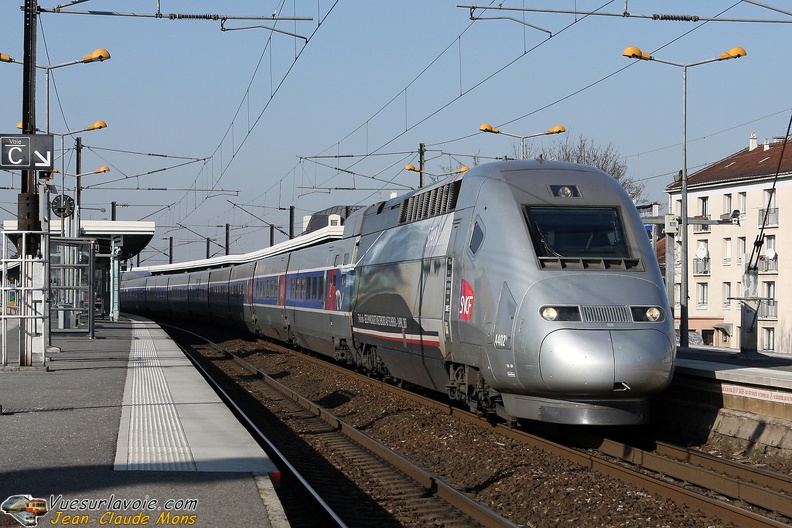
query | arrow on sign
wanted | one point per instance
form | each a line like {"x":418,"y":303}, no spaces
{"x":43,"y":161}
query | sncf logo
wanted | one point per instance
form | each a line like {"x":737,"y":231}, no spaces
{"x":466,"y":301}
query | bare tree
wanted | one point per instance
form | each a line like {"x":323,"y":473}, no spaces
{"x":584,"y":151}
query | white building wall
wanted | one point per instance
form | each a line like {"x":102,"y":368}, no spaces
{"x":775,"y":275}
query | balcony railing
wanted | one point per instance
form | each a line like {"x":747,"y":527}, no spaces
{"x":772,"y":216}
{"x":701,"y":266}
{"x":768,"y":265}
{"x":701,"y":228}
{"x":768,"y":309}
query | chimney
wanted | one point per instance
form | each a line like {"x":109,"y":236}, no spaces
{"x":752,"y":141}
{"x":767,"y":144}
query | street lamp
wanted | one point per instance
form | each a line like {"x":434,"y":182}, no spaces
{"x":98,"y":55}
{"x":633,"y":52}
{"x":486,"y":127}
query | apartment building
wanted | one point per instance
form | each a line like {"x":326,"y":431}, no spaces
{"x":742,"y":185}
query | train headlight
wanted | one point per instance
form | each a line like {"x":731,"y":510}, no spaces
{"x":549,"y":313}
{"x":560,"y":313}
{"x":649,"y":314}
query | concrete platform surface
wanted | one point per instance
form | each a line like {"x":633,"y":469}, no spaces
{"x":122,"y":430}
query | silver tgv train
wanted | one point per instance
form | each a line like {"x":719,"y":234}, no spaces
{"x":526,"y":289}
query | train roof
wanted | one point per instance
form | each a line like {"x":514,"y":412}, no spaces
{"x":333,"y":231}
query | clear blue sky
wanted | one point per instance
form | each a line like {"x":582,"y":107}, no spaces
{"x":374,"y":80}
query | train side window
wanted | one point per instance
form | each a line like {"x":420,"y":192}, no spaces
{"x":337,"y":260}
{"x":476,"y":238}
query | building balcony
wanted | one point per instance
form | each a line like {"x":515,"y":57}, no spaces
{"x":767,"y":265}
{"x":701,"y":266}
{"x":768,"y":309}
{"x":702,"y":228}
{"x":772,"y":216}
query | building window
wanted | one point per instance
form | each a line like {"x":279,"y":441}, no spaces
{"x":703,"y":212}
{"x":769,"y":198}
{"x":727,"y":203}
{"x":769,"y":289}
{"x":769,"y":215}
{"x":768,"y":307}
{"x":701,"y":264}
{"x":703,"y":206}
{"x":768,"y":339}
{"x":769,"y":258}
{"x":727,"y":251}
{"x":702,"y":299}
{"x":770,"y":244}
{"x":743,"y":197}
{"x":741,"y":249}
{"x":727,"y":294}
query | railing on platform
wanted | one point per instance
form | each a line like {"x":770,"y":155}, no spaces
{"x":72,"y":291}
{"x":24,"y":292}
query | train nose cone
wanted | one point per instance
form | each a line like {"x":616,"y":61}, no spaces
{"x":589,"y":362}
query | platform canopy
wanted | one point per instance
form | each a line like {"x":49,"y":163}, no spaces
{"x":131,"y":236}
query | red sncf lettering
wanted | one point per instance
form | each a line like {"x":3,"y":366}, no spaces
{"x":466,"y":301}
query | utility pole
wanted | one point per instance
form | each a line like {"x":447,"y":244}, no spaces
{"x":421,"y":160}
{"x":78,"y":185}
{"x":28,"y":205}
{"x":228,"y":239}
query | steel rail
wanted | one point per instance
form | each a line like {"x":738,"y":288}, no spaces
{"x":280,"y":461}
{"x":760,"y":488}
{"x":431,"y":483}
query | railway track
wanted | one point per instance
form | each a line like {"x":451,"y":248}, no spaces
{"x":708,"y":483}
{"x":729,"y":491}
{"x":331,"y":488}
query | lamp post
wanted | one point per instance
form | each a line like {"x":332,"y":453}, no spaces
{"x":99,"y":55}
{"x":633,"y":52}
{"x":486,"y":127}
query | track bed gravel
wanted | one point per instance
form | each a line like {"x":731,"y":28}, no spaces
{"x":527,"y":486}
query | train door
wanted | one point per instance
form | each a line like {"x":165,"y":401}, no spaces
{"x":447,"y":346}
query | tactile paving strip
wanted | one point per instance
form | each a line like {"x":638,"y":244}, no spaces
{"x":156,"y":440}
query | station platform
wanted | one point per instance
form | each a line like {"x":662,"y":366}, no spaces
{"x":742,"y":402}
{"x":123,"y":430}
{"x":769,"y":374}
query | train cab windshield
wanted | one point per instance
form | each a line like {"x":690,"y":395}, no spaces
{"x":576,"y":232}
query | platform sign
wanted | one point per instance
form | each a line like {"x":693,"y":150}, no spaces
{"x":26,"y":151}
